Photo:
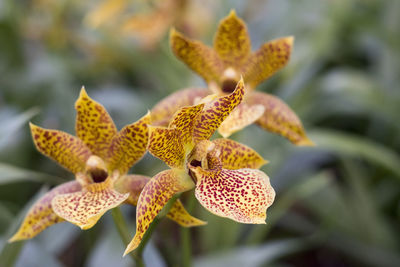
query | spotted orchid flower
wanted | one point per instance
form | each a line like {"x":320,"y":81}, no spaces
{"x":100,"y":158}
{"x":222,"y":66}
{"x":223,"y":172}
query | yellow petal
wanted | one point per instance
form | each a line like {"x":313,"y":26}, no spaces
{"x":163,"y":111}
{"x":165,"y":144}
{"x":104,"y":12}
{"x":94,"y":125}
{"x":184,"y":120}
{"x":234,"y":155}
{"x":279,"y":118}
{"x":232,"y":41}
{"x":134,"y":184}
{"x":179,"y":214}
{"x":129,"y":145}
{"x":197,"y":56}
{"x":64,"y":148}
{"x":154,"y":197}
{"x":242,"y":195}
{"x":84,"y":208}
{"x":41,"y":215}
{"x":242,"y":116}
{"x":215,"y":112}
{"x":267,"y":60}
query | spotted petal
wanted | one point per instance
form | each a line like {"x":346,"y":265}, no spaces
{"x":154,"y":197}
{"x":41,"y":215}
{"x":129,"y":145}
{"x":134,"y":185}
{"x":232,"y":41}
{"x":85,"y":208}
{"x":242,"y":116}
{"x":165,"y":144}
{"x":163,"y":111}
{"x":234,"y":155}
{"x":215,"y":112}
{"x":94,"y":125}
{"x":279,"y":118}
{"x":64,"y":148}
{"x":200,"y":58}
{"x":267,"y":60}
{"x":184,"y":120}
{"x":242,"y":195}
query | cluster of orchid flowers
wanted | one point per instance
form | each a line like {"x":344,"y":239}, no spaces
{"x":225,"y":174}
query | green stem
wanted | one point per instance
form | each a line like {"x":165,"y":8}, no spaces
{"x":124,"y":234}
{"x":186,"y":237}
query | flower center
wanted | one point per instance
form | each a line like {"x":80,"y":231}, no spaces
{"x":228,"y":85}
{"x":96,"y":169}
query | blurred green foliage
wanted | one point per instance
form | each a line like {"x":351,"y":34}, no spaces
{"x":337,"y":204}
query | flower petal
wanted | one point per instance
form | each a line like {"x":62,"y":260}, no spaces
{"x":242,"y":195}
{"x":279,"y":118}
{"x":267,"y":60}
{"x":215,"y":112}
{"x":242,"y":116}
{"x":64,"y":148}
{"x":179,"y":214}
{"x":165,"y":144}
{"x":234,"y":155}
{"x":134,"y":185}
{"x":154,"y":197}
{"x":104,"y":12}
{"x":41,"y":215}
{"x":85,"y":208}
{"x":94,"y":125}
{"x":129,"y":145}
{"x":232,"y":41}
{"x":184,"y":120}
{"x":162,"y":113}
{"x":200,"y":58}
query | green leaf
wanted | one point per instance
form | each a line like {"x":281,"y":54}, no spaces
{"x":12,"y":174}
{"x":348,"y":144}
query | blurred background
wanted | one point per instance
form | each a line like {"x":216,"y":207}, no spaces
{"x":337,"y":204}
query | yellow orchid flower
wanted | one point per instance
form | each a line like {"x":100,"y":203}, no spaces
{"x":223,"y":65}
{"x":223,"y":172}
{"x":100,"y":158}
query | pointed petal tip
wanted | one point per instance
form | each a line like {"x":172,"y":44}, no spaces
{"x":131,"y":246}
{"x":289,"y":40}
{"x":305,"y":142}
{"x":14,"y":238}
{"x":232,"y":13}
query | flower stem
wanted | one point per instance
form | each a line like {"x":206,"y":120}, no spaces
{"x":124,"y":234}
{"x":186,"y":237}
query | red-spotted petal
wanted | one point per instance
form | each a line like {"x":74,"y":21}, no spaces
{"x":85,"y":208}
{"x":134,"y":184}
{"x":242,"y":195}
{"x":200,"y":58}
{"x":242,"y":116}
{"x":279,"y":118}
{"x":184,"y":120}
{"x":232,"y":41}
{"x":234,"y":155}
{"x":163,"y":111}
{"x":129,"y":145}
{"x":215,"y":112}
{"x":154,"y":197}
{"x":41,"y":215}
{"x":94,"y":125}
{"x":69,"y":151}
{"x":165,"y":144}
{"x":267,"y":60}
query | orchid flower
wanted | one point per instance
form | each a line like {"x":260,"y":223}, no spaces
{"x":100,"y":158}
{"x":222,"y":66}
{"x":223,"y":172}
